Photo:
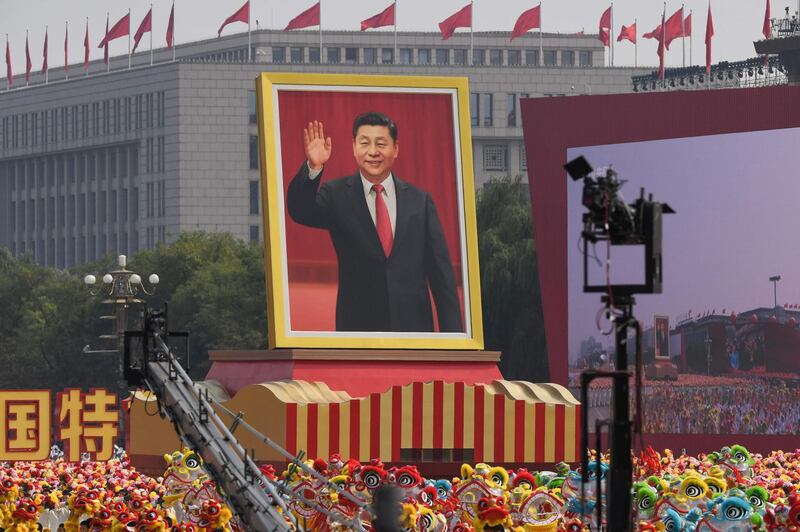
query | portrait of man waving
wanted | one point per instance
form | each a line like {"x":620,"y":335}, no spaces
{"x":390,"y":246}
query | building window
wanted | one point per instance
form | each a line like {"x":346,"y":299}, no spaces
{"x":333,"y":55}
{"x":296,"y":54}
{"x":495,"y":56}
{"x":460,"y":56}
{"x":313,"y":55}
{"x":486,"y":109}
{"x":514,"y":57}
{"x":511,"y":110}
{"x":478,"y":56}
{"x":254,"y":197}
{"x":424,"y":56}
{"x":370,"y":56}
{"x":442,"y":56}
{"x":278,"y":54}
{"x":567,"y":58}
{"x":494,"y":157}
{"x":532,"y":57}
{"x":523,"y":159}
{"x":585,"y":58}
{"x":162,"y":150}
{"x":406,"y":56}
{"x":387,"y":56}
{"x":251,"y":106}
{"x":474,"y":104}
{"x":351,"y":56}
{"x":253,"y":152}
{"x":549,"y":58}
{"x":254,"y":233}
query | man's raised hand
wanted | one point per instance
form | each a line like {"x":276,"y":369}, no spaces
{"x":318,"y":148}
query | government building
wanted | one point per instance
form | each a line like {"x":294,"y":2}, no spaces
{"x":117,"y":159}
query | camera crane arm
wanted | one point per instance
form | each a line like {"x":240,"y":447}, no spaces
{"x":251,"y":496}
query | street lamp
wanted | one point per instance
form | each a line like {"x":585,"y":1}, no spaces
{"x":774,"y":279}
{"x":121,"y":287}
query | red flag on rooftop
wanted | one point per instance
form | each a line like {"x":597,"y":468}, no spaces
{"x":241,"y":15}
{"x":171,"y":27}
{"x":86,"y":47}
{"x":44,"y":53}
{"x":687,"y":26}
{"x":9,"y":73}
{"x":767,"y":30}
{"x":145,"y":26}
{"x":309,"y":17}
{"x":460,"y":19}
{"x":384,"y":18}
{"x":528,"y":20}
{"x":120,"y":29}
{"x":673,"y":27}
{"x":709,"y":34}
{"x":27,"y":60}
{"x":655,"y":34}
{"x":604,"y":30}
{"x":628,"y":32}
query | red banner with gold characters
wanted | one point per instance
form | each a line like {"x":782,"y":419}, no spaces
{"x":83,"y":422}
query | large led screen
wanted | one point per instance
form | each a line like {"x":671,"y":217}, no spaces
{"x":722,"y":338}
{"x":735,"y":354}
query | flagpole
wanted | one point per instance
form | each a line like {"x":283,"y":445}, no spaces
{"x":173,"y":30}
{"x":129,"y":38}
{"x":396,"y":60}
{"x":636,"y":46}
{"x":611,"y":35}
{"x":664,"y":45}
{"x":27,"y":76}
{"x":249,"y":47}
{"x":47,"y":52}
{"x":471,"y":26}
{"x":151,"y":33}
{"x":320,"y":32}
{"x":691,"y":35}
{"x":683,"y":36}
{"x":108,"y":61}
{"x":86,"y":70}
{"x":66,"y":62}
{"x":8,"y":79}
{"x":541,"y":52}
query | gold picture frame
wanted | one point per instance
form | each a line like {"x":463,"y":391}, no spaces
{"x":271,"y":89}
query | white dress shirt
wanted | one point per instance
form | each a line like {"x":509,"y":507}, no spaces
{"x":389,"y":195}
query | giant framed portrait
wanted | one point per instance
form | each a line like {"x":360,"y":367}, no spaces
{"x":369,"y":212}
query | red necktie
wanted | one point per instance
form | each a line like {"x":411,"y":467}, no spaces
{"x":382,"y":222}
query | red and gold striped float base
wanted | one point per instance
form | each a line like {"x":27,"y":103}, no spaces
{"x":501,"y":422}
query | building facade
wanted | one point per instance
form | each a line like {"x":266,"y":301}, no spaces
{"x":115,"y":160}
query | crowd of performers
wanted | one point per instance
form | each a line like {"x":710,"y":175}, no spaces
{"x":724,"y":490}
{"x":716,"y":405}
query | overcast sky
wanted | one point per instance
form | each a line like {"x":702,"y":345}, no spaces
{"x":737,"y":23}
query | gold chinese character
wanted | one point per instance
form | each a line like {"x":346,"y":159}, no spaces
{"x":88,"y":422}
{"x":25,"y":422}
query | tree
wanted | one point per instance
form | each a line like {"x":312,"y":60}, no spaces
{"x":215,"y":289}
{"x":512,"y":313}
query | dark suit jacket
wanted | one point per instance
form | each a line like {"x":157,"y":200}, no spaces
{"x":377,"y":293}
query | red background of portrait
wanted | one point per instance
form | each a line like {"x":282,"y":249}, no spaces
{"x":426,"y":160}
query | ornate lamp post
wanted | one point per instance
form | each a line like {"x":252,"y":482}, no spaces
{"x":121,"y":287}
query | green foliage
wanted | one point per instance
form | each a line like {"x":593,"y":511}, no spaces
{"x":512,"y":313}
{"x":214,"y":287}
{"x":213,"y":283}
